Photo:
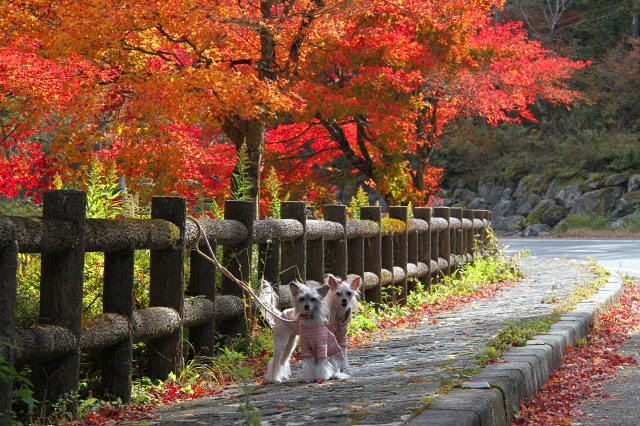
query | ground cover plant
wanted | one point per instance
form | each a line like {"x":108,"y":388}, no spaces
{"x":516,"y":333}
{"x":590,"y":363}
{"x":480,"y":279}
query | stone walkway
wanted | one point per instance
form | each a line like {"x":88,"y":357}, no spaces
{"x":394,"y":375}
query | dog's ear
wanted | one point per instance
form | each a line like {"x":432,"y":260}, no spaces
{"x":295,"y":288}
{"x":322,"y":291}
{"x":355,"y":283}
{"x":333,"y":282}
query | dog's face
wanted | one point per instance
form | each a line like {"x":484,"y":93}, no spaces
{"x":307,"y":300}
{"x":343,"y":291}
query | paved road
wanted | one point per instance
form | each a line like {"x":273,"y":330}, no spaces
{"x":614,"y":254}
{"x":394,"y":374}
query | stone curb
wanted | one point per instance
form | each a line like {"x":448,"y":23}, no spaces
{"x":522,"y":371}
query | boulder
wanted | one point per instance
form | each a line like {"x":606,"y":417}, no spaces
{"x":634,"y":183}
{"x":504,"y":208}
{"x":525,"y":205}
{"x":546,"y":212}
{"x":618,"y":224}
{"x":510,"y":223}
{"x":506,"y":194}
{"x":535,"y":230}
{"x":464,"y":195}
{"x":478,"y":203}
{"x":567,"y":194}
{"x":632,"y":220}
{"x":553,"y":215}
{"x":617,"y":179}
{"x":530,"y":184}
{"x":626,"y":205}
{"x":489,"y":192}
{"x":599,"y":202}
{"x":553,"y":188}
{"x":595,"y":181}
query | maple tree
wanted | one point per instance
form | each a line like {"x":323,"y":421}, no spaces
{"x":34,"y":92}
{"x":338,"y":88}
{"x":387,"y":94}
{"x":225,"y":65}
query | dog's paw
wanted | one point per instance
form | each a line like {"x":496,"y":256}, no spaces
{"x":341,"y":376}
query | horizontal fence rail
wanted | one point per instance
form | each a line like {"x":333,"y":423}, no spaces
{"x":393,"y":253}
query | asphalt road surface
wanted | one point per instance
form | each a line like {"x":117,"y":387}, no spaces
{"x":614,"y":254}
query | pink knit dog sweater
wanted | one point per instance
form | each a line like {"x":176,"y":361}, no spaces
{"x":339,"y":329}
{"x":316,"y":340}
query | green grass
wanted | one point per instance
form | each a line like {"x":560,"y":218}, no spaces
{"x":577,"y":221}
{"x":467,"y":280}
{"x":516,"y":333}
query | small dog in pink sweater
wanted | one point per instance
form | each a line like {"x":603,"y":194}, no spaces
{"x":342,"y":303}
{"x":321,"y":352}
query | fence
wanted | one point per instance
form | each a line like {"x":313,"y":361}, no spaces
{"x":392,"y":251}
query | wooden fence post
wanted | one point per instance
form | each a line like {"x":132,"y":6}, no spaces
{"x":435,"y":247}
{"x":424,"y":243}
{"x":412,"y":251}
{"x":484,"y":215}
{"x":269,"y":261}
{"x":118,"y":298}
{"x":373,"y":253}
{"x":315,"y":259}
{"x":202,"y":282}
{"x":8,"y":271}
{"x":237,"y":259}
{"x":468,"y":249}
{"x":355,"y":251}
{"x":444,"y":239}
{"x":61,"y":295}
{"x":387,"y":254}
{"x":336,"y":250}
{"x":477,"y":234}
{"x":294,"y":253}
{"x":167,"y":287}
{"x":458,"y":246}
{"x":400,"y":246}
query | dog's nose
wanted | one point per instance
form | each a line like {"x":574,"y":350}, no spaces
{"x":306,"y":307}
{"x":344,"y":302}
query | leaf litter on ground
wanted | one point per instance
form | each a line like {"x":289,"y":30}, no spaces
{"x":586,"y":366}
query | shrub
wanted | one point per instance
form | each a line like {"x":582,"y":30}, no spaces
{"x":576,"y":221}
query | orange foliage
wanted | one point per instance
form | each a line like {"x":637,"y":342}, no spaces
{"x":359,"y":89}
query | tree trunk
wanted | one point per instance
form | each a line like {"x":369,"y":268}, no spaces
{"x":635,"y":20}
{"x":249,"y":132}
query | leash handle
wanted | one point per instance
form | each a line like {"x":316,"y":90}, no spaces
{"x":214,"y":260}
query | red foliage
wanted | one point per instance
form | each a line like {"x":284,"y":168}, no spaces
{"x":33,"y":90}
{"x":153,"y":86}
{"x":585,"y":366}
{"x":176,"y":160}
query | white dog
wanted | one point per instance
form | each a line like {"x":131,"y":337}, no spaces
{"x":320,"y":350}
{"x":342,"y":304}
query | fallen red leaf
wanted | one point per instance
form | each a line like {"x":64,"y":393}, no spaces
{"x":585,"y":366}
